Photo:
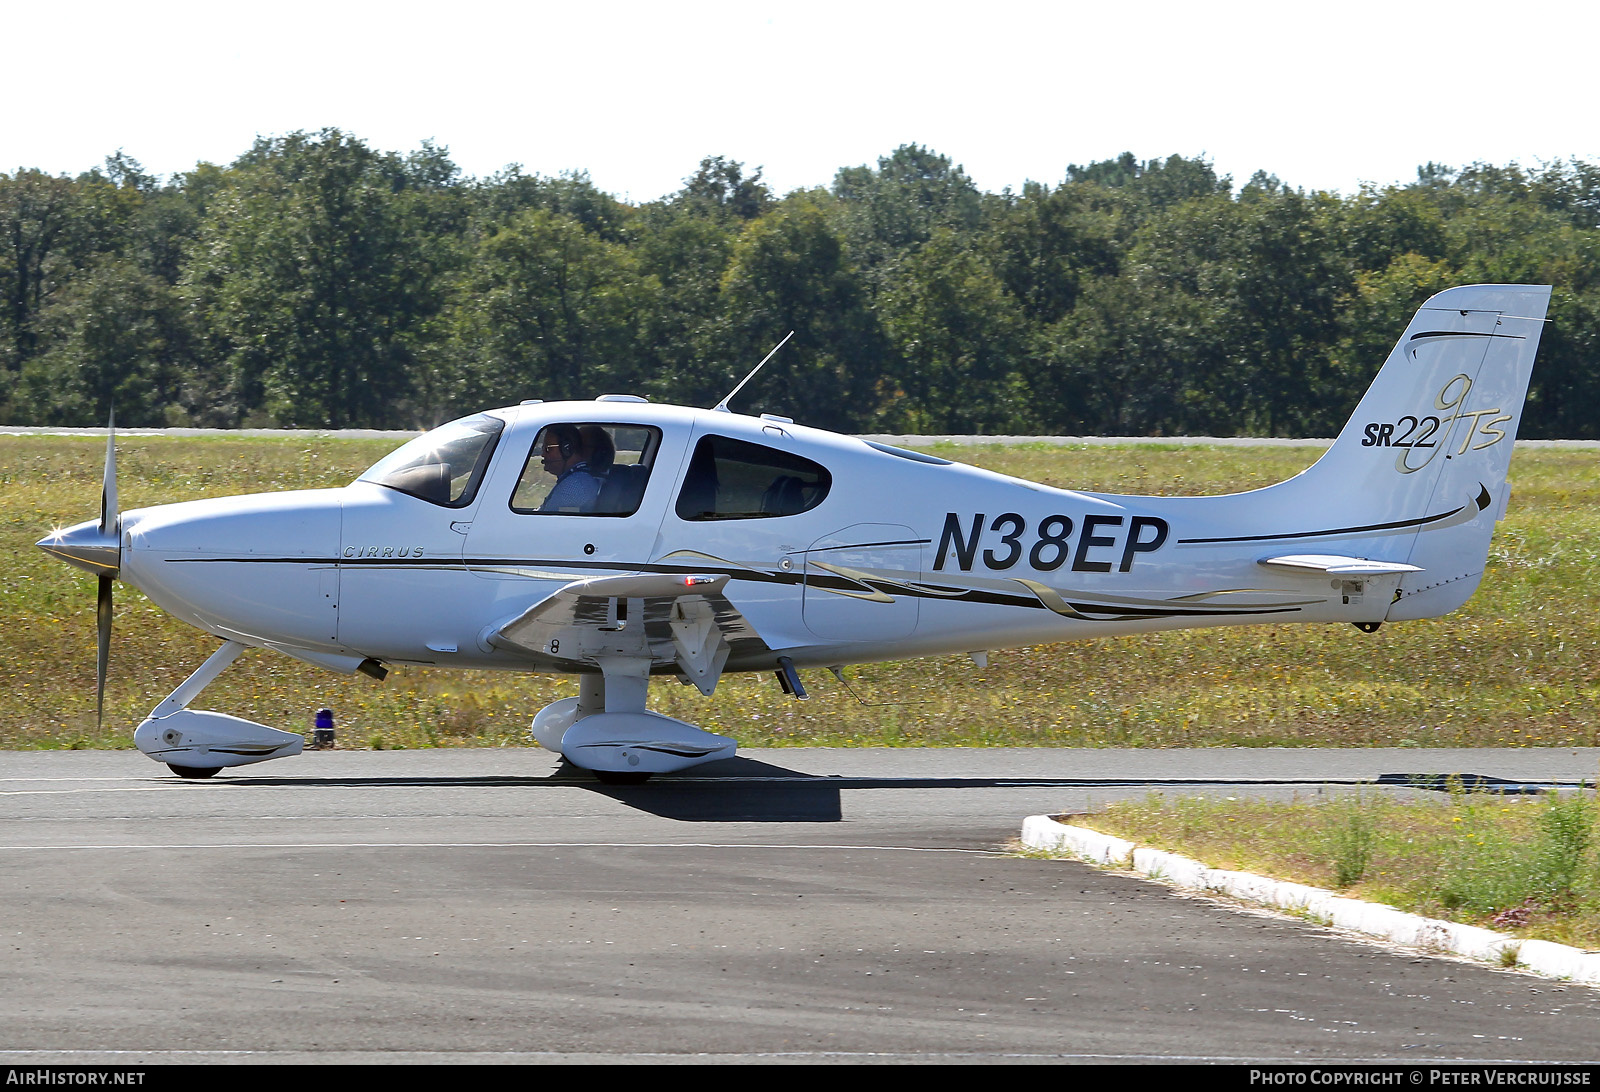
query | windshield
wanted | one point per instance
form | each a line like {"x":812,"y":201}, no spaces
{"x":443,"y":466}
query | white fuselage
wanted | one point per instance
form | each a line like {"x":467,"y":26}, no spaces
{"x":618,"y":540}
{"x":902,"y":557}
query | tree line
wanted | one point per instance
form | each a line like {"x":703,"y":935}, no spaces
{"x":319,"y":282}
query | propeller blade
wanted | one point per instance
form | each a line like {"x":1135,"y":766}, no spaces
{"x":110,"y":518}
{"x":102,"y":618}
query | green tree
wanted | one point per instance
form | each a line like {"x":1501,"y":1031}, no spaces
{"x":1379,"y":226}
{"x":1126,"y":361}
{"x":1371,"y":318}
{"x":890,"y":211}
{"x":117,"y":339}
{"x":720,"y":189}
{"x":789,"y":271}
{"x":685,"y":346}
{"x":1264,"y":272}
{"x":554,"y":313}
{"x":1049,"y":242}
{"x":38,"y":217}
{"x":317,"y":280}
{"x":1566,"y":385}
{"x":959,"y":340}
{"x":52,"y":229}
{"x":1154,"y":184}
{"x":502,"y":196}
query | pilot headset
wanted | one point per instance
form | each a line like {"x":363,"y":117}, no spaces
{"x":564,"y":440}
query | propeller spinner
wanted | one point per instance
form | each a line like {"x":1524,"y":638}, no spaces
{"x":97,"y":547}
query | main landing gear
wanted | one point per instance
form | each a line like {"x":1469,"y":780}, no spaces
{"x":606,"y":729}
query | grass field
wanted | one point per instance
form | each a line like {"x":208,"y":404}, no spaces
{"x":1513,"y":864}
{"x":1516,"y":667}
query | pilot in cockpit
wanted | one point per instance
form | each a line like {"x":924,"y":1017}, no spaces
{"x":567,"y":458}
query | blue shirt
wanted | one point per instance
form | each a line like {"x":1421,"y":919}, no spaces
{"x":576,"y":491}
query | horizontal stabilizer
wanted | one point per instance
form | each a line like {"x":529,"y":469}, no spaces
{"x":1336,"y":565}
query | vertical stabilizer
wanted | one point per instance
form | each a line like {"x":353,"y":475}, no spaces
{"x":1422,"y":462}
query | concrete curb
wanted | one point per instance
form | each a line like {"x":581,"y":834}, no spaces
{"x":1536,"y":956}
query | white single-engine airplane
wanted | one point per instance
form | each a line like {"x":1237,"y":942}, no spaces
{"x":620,"y":540}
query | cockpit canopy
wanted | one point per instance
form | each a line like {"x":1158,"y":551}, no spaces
{"x":596,"y":467}
{"x":443,"y":466}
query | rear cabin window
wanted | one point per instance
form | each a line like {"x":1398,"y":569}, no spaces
{"x":735,"y":479}
{"x":587,"y":468}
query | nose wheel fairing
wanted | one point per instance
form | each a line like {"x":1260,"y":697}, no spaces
{"x":198,"y":739}
{"x":202,"y":740}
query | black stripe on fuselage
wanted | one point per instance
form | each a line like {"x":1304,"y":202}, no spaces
{"x":1462,"y":333}
{"x":819,"y":580}
{"x":1482,"y":500}
{"x":1396,"y":525}
{"x":867,"y":545}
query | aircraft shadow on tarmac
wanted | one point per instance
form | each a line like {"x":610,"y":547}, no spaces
{"x":733,"y":790}
{"x":744,"y":790}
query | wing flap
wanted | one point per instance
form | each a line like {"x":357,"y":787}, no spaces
{"x":676,"y":622}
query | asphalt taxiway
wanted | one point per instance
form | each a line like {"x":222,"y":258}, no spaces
{"x":789,"y":905}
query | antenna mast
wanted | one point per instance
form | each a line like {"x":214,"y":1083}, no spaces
{"x":723,"y":405}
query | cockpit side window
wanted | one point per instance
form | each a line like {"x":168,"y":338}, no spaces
{"x":735,"y":479}
{"x":584,"y":468}
{"x":444,"y":466}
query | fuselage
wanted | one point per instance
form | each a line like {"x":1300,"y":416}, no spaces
{"x":618,"y":540}
{"x":838,"y":550}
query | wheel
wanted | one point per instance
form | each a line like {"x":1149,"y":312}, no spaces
{"x":612,"y":777}
{"x":194,"y":772}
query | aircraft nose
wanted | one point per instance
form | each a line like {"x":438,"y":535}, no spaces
{"x":86,"y":546}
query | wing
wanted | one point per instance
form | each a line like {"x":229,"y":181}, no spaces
{"x":682,"y":624}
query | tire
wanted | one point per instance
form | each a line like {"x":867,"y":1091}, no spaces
{"x":613,"y":777}
{"x":194,"y":773}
